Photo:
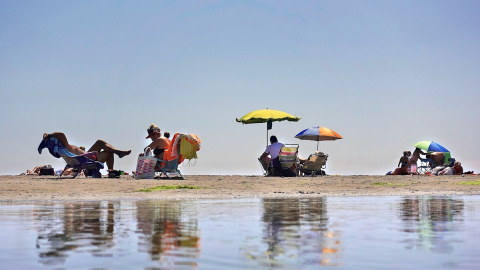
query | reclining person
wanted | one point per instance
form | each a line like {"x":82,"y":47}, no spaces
{"x":105,"y":150}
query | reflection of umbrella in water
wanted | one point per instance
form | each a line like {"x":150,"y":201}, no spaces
{"x":431,"y":146}
{"x":267,"y":116}
{"x":318,"y":134}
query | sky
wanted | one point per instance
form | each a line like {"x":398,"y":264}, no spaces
{"x":382,"y":74}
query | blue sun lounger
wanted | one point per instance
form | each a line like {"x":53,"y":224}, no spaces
{"x":77,"y":162}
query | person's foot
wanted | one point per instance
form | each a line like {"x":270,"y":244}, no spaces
{"x":121,"y":154}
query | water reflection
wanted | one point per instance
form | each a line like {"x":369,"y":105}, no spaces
{"x":95,"y":227}
{"x":67,"y":227}
{"x":296,"y":229}
{"x":426,"y":220}
{"x":353,"y":233}
{"x":164,"y":233}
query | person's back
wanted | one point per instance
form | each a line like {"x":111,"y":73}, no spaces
{"x":270,"y":155}
{"x":274,"y":149}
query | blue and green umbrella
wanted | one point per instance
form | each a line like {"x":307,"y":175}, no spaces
{"x":431,"y":146}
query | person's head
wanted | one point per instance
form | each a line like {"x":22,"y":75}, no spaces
{"x":457,"y":164}
{"x":409,"y":153}
{"x":153,"y":131}
{"x":82,"y":147}
{"x":273,"y":139}
{"x":405,"y":153}
{"x":166,"y":134}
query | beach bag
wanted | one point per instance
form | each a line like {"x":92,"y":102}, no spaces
{"x":145,"y":167}
{"x":47,"y":170}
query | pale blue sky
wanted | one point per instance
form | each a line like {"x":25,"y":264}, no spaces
{"x":383,"y":74}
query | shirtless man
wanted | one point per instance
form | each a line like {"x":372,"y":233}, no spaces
{"x":437,"y":157}
{"x":105,"y":150}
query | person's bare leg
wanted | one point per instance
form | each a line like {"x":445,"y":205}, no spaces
{"x":100,"y":145}
{"x":63,"y":139}
{"x":106,"y":157}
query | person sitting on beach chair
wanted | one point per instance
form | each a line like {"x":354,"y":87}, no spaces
{"x":269,"y":158}
{"x":313,"y":165}
{"x":159,"y":144}
{"x":105,"y":151}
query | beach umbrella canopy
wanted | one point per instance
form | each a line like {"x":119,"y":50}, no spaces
{"x":267,"y":116}
{"x":431,"y":146}
{"x":318,"y":134}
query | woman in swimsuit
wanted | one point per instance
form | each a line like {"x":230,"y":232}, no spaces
{"x":159,"y":144}
{"x":416,"y":155}
{"x":403,"y":164}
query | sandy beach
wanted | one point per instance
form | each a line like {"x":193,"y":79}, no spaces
{"x":28,"y":188}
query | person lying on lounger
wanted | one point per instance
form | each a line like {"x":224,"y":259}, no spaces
{"x":105,"y":150}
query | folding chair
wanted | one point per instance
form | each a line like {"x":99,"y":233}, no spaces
{"x":315,"y":163}
{"x":288,"y":159}
{"x":183,"y":146}
{"x":426,"y":164}
{"x":76,"y":162}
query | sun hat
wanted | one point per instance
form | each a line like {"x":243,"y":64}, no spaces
{"x":152,"y":129}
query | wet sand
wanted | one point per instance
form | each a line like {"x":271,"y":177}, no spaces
{"x":29,"y":188}
{"x":49,"y":188}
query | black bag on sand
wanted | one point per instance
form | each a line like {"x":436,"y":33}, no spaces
{"x":47,"y":170}
{"x":114,"y":174}
{"x":289,"y":173}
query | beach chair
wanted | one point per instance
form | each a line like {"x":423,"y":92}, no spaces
{"x":426,"y":164}
{"x":78,"y":163}
{"x":288,"y":159}
{"x":315,"y":163}
{"x":168,"y":166}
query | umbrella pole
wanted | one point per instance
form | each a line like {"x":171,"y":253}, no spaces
{"x":317,"y":145}
{"x":267,"y":135}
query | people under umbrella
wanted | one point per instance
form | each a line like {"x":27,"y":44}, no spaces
{"x":436,"y":163}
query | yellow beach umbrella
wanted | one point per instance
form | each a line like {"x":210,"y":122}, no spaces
{"x":267,"y":116}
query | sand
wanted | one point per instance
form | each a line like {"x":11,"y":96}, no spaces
{"x":29,"y":188}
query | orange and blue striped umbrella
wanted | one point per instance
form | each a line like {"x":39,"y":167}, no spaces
{"x":318,"y":134}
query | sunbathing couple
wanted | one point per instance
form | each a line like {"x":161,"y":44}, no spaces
{"x":408,"y":159}
{"x":106,"y":151}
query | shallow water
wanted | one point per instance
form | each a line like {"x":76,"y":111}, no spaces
{"x":329,"y":232}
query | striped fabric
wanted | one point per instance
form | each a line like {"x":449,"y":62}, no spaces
{"x":288,"y":156}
